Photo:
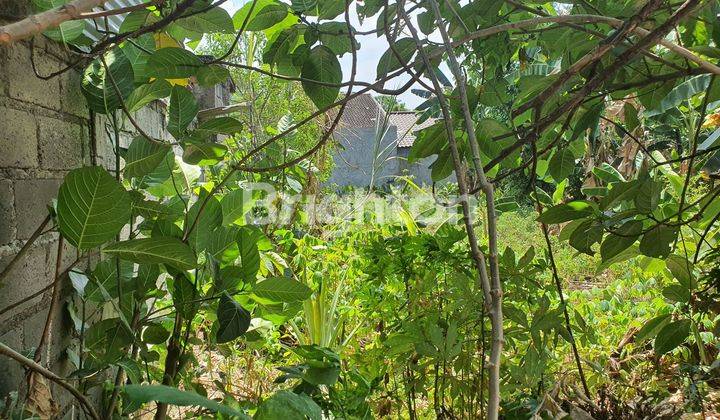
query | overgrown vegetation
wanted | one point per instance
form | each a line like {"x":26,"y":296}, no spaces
{"x":571,"y":270}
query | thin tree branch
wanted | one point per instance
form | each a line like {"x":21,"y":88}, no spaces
{"x":7,"y":351}
{"x":26,"y":246}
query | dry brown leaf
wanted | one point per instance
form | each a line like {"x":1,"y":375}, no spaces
{"x":39,"y":400}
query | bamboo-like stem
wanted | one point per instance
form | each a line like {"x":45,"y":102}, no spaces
{"x":7,"y":351}
{"x":495,"y":308}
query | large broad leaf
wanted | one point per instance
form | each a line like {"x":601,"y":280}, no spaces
{"x":202,"y":153}
{"x":211,"y":75}
{"x":280,"y":289}
{"x":182,"y":111}
{"x":147,"y":93}
{"x":173,"y":63}
{"x":671,"y":336}
{"x":334,"y":35}
{"x":101,"y":87}
{"x":322,"y":66}
{"x":104,"y":280}
{"x":394,"y":60}
{"x":143,"y":156}
{"x":562,"y":164}
{"x":652,"y":327}
{"x":429,"y":141}
{"x":207,"y":220}
{"x":107,"y":340}
{"x":247,"y":240}
{"x":92,"y":207}
{"x":216,"y":19}
{"x":233,"y":319}
{"x":681,"y":93}
{"x":141,"y":394}
{"x":566,"y":212}
{"x":138,"y":52}
{"x":620,"y":239}
{"x":287,"y":405}
{"x":160,"y":250}
{"x":221,"y":125}
{"x":235,"y":205}
{"x":267,"y":16}
{"x":682,"y":269}
{"x":657,"y":241}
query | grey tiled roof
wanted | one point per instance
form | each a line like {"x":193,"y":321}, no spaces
{"x":362,"y":112}
{"x":405,"y":121}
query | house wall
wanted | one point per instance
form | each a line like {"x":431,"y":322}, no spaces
{"x":354,"y":158}
{"x":419,"y":171}
{"x":45,"y":131}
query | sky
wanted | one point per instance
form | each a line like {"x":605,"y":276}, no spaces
{"x":370,"y":51}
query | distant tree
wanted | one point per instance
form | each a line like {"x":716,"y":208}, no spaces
{"x":391,"y":103}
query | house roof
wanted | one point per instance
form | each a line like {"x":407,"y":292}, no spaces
{"x":406,"y":123}
{"x":362,"y":111}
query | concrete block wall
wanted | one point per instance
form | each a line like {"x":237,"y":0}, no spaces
{"x":45,"y":131}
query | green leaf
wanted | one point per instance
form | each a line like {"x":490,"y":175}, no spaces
{"x":203,"y":154}
{"x":287,"y":405}
{"x":182,"y":111}
{"x":565,"y":212}
{"x":405,"y":49}
{"x":221,"y":125}
{"x":280,"y":289}
{"x":671,"y":336}
{"x":136,"y":20}
{"x":101,"y":88}
{"x":138,"y":52}
{"x":107,"y":340}
{"x":159,"y":250}
{"x":247,"y":240}
{"x":267,"y":16}
{"x":209,"y":219}
{"x":211,"y":75}
{"x":562,"y":164}
{"x":321,"y":66}
{"x":147,"y":93}
{"x":682,"y":269}
{"x":155,"y":334}
{"x":233,"y":319}
{"x":216,"y":19}
{"x":585,"y":236}
{"x":330,"y":9}
{"x":92,"y":207}
{"x":621,"y":239}
{"x":66,"y":31}
{"x":184,"y":296}
{"x":222,"y":246}
{"x":647,"y":197}
{"x":429,"y":141}
{"x":630,"y":115}
{"x":681,"y":93}
{"x":677,"y":293}
{"x":651,"y":328}
{"x":235,"y":205}
{"x":141,"y":394}
{"x":173,"y":63}
{"x":143,"y":156}
{"x":334,"y":35}
{"x":658,"y":240}
{"x":104,"y":279}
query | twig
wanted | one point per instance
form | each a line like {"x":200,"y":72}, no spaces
{"x":53,"y":304}
{"x":24,"y":249}
{"x":118,"y":11}
{"x":7,"y":351}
